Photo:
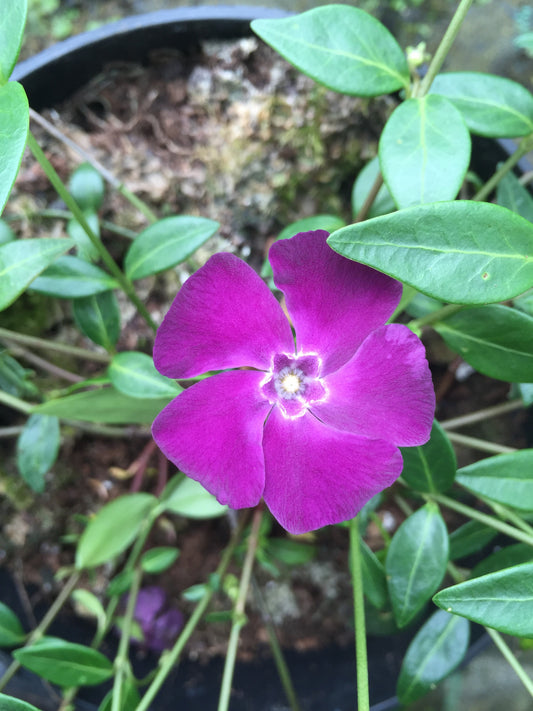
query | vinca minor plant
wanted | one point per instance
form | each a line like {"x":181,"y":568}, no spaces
{"x":304,"y":391}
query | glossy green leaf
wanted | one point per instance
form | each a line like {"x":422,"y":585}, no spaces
{"x":383,"y":203}
{"x":470,"y":538}
{"x":71,"y":278}
{"x":11,"y":632}
{"x":166,"y":243}
{"x":91,"y":605}
{"x":37,"y":448}
{"x":12,"y":21}
{"x":511,"y":194}
{"x":187,"y":497}
{"x":290,"y":552}
{"x":156,"y":560}
{"x":490,"y":105}
{"x":6,"y":233}
{"x":430,"y":468}
{"x":438,"y":647}
{"x":23,"y":260}
{"x":14,"y":379}
{"x":8,"y":703}
{"x":86,"y":186}
{"x":496,"y":340}
{"x":15,"y":114}
{"x":98,"y":317}
{"x":106,"y":405}
{"x":129,"y":701}
{"x":416,"y":562}
{"x":461,"y":251}
{"x":85,"y":249}
{"x":420,"y":161}
{"x":505,"y":478}
{"x":374,"y":581}
{"x":65,"y":663}
{"x":113,"y":529}
{"x":504,"y":558}
{"x":134,"y":374}
{"x":341,"y":47}
{"x":501,"y":600}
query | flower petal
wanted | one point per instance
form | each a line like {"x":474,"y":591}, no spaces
{"x":316,"y":476}
{"x":224,"y":316}
{"x":384,"y":392}
{"x":213,"y":432}
{"x":334,"y":303}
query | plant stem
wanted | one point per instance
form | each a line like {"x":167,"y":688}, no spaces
{"x":523,"y":148}
{"x":506,"y":513}
{"x":104,"y":172}
{"x":444,"y":47}
{"x":72,"y":205}
{"x":16,"y":403}
{"x":45,"y":365}
{"x":15,"y":337}
{"x":365,"y":207}
{"x":170,"y":659}
{"x":481,"y":444}
{"x":363,"y":693}
{"x":481,"y":415}
{"x":122,"y":660}
{"x":511,"y":659}
{"x":6,"y":432}
{"x":43,"y":625}
{"x":435,"y":316}
{"x":239,"y":617}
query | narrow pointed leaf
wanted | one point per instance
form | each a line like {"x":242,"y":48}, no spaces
{"x":374,"y":581}
{"x":340,"y":47}
{"x":490,"y":105}
{"x":501,"y":600}
{"x":156,"y":560}
{"x":430,"y":468}
{"x":23,"y":260}
{"x":505,"y":478}
{"x":504,"y":558}
{"x":134,"y":374}
{"x":71,"y":278}
{"x":420,"y":161}
{"x":15,"y":114}
{"x":462,"y":252}
{"x":470,"y":538}
{"x":12,"y":21}
{"x":496,"y":340}
{"x":187,"y":497}
{"x":438,"y":647}
{"x":8,"y":703}
{"x":98,"y":317}
{"x":515,"y":196}
{"x":11,"y":632}
{"x":416,"y":562}
{"x":37,"y":448}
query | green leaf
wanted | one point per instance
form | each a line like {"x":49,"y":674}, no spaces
{"x":166,"y":243}
{"x":525,"y":41}
{"x":470,"y":538}
{"x":505,"y":558}
{"x":105,"y":405}
{"x":15,"y":114}
{"x":490,"y":105}
{"x":129,"y":699}
{"x":8,"y":703}
{"x":341,"y":47}
{"x":71,"y":278}
{"x":505,"y":478}
{"x":511,"y":194}
{"x":420,"y":161}
{"x":496,"y":340}
{"x":6,"y":233}
{"x":92,"y":605}
{"x":85,"y":248}
{"x":416,"y":562}
{"x":431,"y":467}
{"x":156,"y":560}
{"x":23,"y":260}
{"x":65,"y":663}
{"x":462,"y":251}
{"x":187,"y":497}
{"x":438,"y":647}
{"x":113,"y":529}
{"x":501,"y":600}
{"x":290,"y":552}
{"x":12,"y":21}
{"x":98,"y":317}
{"x":86,"y":186}
{"x":37,"y":448}
{"x":134,"y":374}
{"x":11,"y":632}
{"x":383,"y":203}
{"x":374,"y":580}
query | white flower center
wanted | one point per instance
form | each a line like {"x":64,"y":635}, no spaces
{"x":291,"y":383}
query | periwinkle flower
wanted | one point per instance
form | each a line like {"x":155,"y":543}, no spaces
{"x":311,"y":423}
{"x":159,"y":623}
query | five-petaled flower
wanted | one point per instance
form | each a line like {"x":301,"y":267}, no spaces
{"x":311,"y":423}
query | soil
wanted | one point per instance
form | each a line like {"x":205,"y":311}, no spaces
{"x":234,"y":134}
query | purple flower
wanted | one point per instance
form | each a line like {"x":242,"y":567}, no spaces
{"x":314,"y":427}
{"x":159,"y":623}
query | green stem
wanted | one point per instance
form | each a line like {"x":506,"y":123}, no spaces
{"x":372,"y":195}
{"x":506,"y":513}
{"x":511,"y":659}
{"x":72,"y":205}
{"x":15,"y":337}
{"x":523,"y":148}
{"x":66,"y":215}
{"x":170,"y":658}
{"x":435,"y":316}
{"x":16,"y":403}
{"x":444,"y":47}
{"x":43,"y":625}
{"x":6,"y":432}
{"x":122,"y":664}
{"x":481,"y":444}
{"x":363,"y":693}
{"x":239,"y":617}
{"x":482,"y":415}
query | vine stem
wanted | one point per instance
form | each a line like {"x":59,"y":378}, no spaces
{"x":73,"y":206}
{"x":170,"y":658}
{"x":239,"y":617}
{"x":361,"y":656}
{"x":16,"y":403}
{"x":508,"y":165}
{"x":121,"y":660}
{"x":481,"y":444}
{"x":435,"y":316}
{"x":43,"y":625}
{"x":511,"y":659}
{"x":481,"y":415}
{"x":36,"y":342}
